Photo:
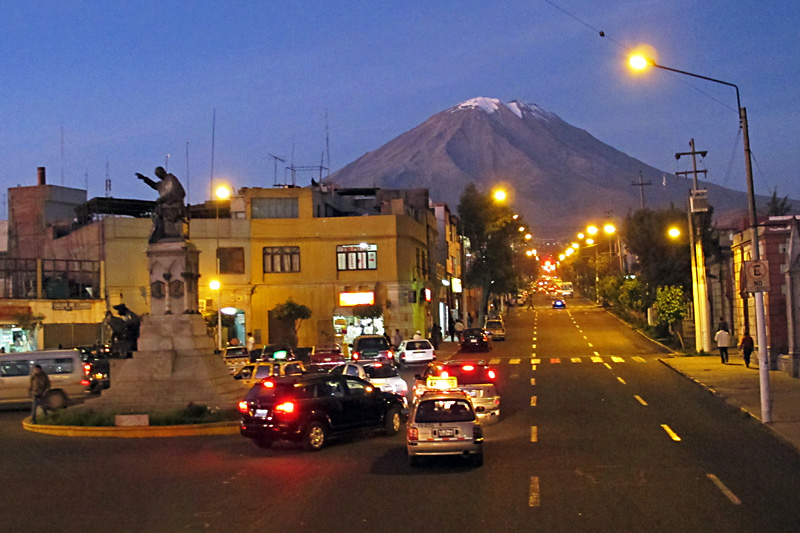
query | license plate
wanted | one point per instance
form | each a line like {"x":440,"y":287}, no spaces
{"x":446,"y":433}
{"x":261,"y":413}
{"x":472,"y":393}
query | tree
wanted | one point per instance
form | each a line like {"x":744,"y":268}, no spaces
{"x":776,"y":207}
{"x":491,"y":230}
{"x":30,"y":324}
{"x":634,"y":295}
{"x":293,"y":315}
{"x":367,"y":311}
{"x":672,"y":307}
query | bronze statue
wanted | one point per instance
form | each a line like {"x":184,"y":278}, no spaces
{"x":169,"y":214}
{"x":124,"y":330}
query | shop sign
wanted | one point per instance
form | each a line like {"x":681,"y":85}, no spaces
{"x":456,"y":285}
{"x":349,"y":299}
{"x":71,"y":306}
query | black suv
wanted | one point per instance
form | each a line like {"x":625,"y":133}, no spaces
{"x":372,"y":348}
{"x":313,"y":407}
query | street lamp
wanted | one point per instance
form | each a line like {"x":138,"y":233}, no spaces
{"x":640,"y":62}
{"x":674,"y":233}
{"x":499,"y":195}
{"x":215,"y":285}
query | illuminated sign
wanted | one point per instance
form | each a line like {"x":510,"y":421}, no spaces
{"x":357,"y":256}
{"x":349,"y":299}
{"x":426,"y":294}
{"x":456,"y":285}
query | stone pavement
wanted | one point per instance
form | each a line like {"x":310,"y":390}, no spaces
{"x":739,"y":386}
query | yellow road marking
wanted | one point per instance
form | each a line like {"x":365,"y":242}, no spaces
{"x":514,"y":361}
{"x":597,"y":353}
{"x":494,"y":361}
{"x":616,"y":359}
{"x":533,"y":401}
{"x":534,"y":434}
{"x":591,"y":345}
{"x":533,"y":367}
{"x":597,"y":359}
{"x":639,"y":359}
{"x":725,"y":490}
{"x":621,"y":380}
{"x":674,"y":436}
{"x":639,"y":398}
{"x":575,"y":359}
{"x":536,"y":361}
{"x":607,"y":366}
{"x":585,"y":337}
{"x":533,"y":381}
{"x":533,"y":493}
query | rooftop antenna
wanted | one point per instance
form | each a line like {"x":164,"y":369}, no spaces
{"x":62,"y":155}
{"x":213,"y":136}
{"x":86,"y":179}
{"x":166,"y":163}
{"x":327,"y":145}
{"x":275,"y":174}
{"x":188,"y":183}
{"x":108,"y":181}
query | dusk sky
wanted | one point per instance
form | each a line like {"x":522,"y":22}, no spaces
{"x":131,"y":83}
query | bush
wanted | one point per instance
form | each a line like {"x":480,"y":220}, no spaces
{"x":191,"y":414}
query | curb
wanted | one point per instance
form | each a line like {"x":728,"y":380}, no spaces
{"x":671,"y":351}
{"x":133,"y":432}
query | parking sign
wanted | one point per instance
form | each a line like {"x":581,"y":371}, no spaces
{"x":756,"y":276}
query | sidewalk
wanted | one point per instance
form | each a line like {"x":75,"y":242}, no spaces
{"x":739,"y":386}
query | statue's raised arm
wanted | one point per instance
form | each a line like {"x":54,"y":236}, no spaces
{"x":168,"y":216}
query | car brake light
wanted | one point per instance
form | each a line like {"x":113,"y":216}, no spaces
{"x":413,"y":433}
{"x":268,"y":384}
{"x":243,"y":407}
{"x":468,"y":368}
{"x":355,"y":356}
{"x":87,"y":368}
{"x":377,"y":365}
{"x":85,"y":382}
{"x":492,"y":375}
{"x":285,"y":407}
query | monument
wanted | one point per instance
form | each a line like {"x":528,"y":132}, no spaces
{"x":174,"y":363}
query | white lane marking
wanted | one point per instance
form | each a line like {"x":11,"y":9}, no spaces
{"x":621,"y":380}
{"x":575,"y":359}
{"x":616,"y":359}
{"x":674,"y":436}
{"x":607,"y":366}
{"x":534,"y":434}
{"x":533,"y":493}
{"x":639,"y":359}
{"x":725,"y":490}
{"x":514,"y":361}
{"x":533,"y":381}
{"x":494,"y":361}
{"x":533,"y":401}
{"x":597,"y":359}
{"x":640,"y":400}
{"x":536,"y":361}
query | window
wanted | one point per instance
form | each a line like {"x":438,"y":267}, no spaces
{"x":357,"y":388}
{"x":281,"y":259}
{"x":273,"y":208}
{"x":231,"y":260}
{"x":357,"y":257}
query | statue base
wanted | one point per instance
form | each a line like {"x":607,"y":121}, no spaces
{"x":175,"y":365}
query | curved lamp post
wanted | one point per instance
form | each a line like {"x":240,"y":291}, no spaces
{"x":640,"y":62}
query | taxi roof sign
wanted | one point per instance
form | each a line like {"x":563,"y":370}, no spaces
{"x":442,"y":383}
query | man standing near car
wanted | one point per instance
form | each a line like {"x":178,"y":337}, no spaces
{"x":40,"y":384}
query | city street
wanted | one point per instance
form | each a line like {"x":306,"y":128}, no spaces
{"x":595,"y":435}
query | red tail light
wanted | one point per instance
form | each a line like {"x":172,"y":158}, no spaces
{"x":243,"y":407}
{"x":85,"y":382}
{"x":492,"y":375}
{"x":468,"y":368}
{"x":284,"y":408}
{"x":413,"y":433}
{"x":355,"y":356}
{"x":87,"y":368}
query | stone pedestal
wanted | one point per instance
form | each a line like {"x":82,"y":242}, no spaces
{"x":175,"y":363}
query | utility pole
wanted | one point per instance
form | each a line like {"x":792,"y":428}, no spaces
{"x":641,"y":185}
{"x":698,"y":203}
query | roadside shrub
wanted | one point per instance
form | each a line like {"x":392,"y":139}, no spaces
{"x":191,"y":414}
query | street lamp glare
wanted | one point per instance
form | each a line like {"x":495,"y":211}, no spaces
{"x":499,"y":195}
{"x":528,"y":236}
{"x":222,"y":192}
{"x":581,"y":235}
{"x":609,"y":228}
{"x":674,"y":233}
{"x":639,"y":62}
{"x":589,"y":241}
{"x":575,"y":245}
{"x":592,"y":230}
{"x":214,"y":285}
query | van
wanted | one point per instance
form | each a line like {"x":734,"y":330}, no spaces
{"x":63,"y":367}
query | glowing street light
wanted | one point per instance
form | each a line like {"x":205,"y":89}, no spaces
{"x":528,"y":236}
{"x":592,"y":230}
{"x":499,"y":195}
{"x":674,"y":233}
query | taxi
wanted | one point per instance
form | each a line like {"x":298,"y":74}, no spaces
{"x":444,"y":422}
{"x":254,"y":372}
{"x":474,"y":378}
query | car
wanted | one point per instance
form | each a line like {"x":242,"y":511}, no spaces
{"x":496,"y":329}
{"x":235,"y":357}
{"x":475,"y":340}
{"x":68,"y":382}
{"x":96,"y":367}
{"x":312,"y":408}
{"x":371,"y":348}
{"x":559,"y":304}
{"x":272,"y":352}
{"x":384,"y":376}
{"x":415,"y":351}
{"x":323,"y":358}
{"x":444,"y":423}
{"x":475,"y":378}
{"x":252,"y":373}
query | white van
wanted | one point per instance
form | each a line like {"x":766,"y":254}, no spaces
{"x":63,"y":367}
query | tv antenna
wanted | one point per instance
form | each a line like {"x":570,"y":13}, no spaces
{"x":275,"y":172}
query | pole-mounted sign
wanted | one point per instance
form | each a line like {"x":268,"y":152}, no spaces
{"x":756,"y":276}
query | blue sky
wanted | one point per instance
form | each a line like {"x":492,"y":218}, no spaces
{"x":130,"y":82}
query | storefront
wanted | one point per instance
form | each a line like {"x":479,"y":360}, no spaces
{"x":347,"y":326}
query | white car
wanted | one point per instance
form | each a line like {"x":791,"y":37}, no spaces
{"x":382,"y":375}
{"x":415,"y":351}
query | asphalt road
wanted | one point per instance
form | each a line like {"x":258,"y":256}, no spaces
{"x":582,"y":445}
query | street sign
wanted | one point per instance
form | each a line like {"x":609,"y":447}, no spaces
{"x":756,"y":276}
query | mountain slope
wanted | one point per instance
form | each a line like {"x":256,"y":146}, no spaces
{"x":561,"y":177}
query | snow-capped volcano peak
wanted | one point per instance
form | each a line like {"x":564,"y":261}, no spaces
{"x":491,"y":105}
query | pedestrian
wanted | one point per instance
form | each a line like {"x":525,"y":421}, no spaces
{"x":417,"y":335}
{"x":530,"y":301}
{"x":436,"y":335}
{"x":746,"y":347}
{"x":722,"y":325}
{"x":451,"y":328}
{"x":397,"y":338}
{"x":251,"y":342}
{"x":459,"y":327}
{"x":723,"y":338}
{"x":469,"y":319}
{"x":39,"y":386}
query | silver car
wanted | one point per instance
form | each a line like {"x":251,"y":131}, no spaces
{"x":444,"y":423}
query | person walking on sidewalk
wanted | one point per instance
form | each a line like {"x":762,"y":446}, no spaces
{"x":40,"y":384}
{"x":746,"y":347}
{"x":723,"y":338}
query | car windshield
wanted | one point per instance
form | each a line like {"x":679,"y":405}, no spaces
{"x":372,"y":343}
{"x":430,"y":411}
{"x":380,"y":371}
{"x":418,"y":345}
